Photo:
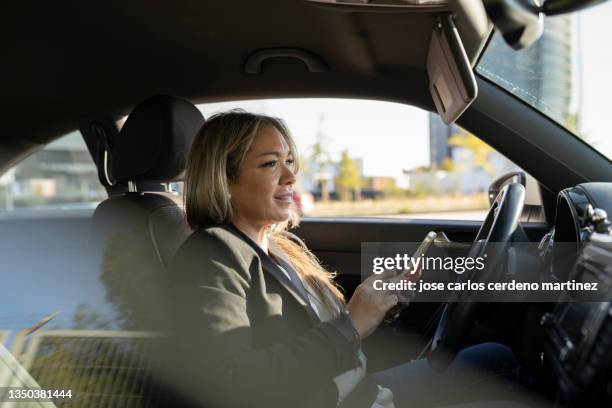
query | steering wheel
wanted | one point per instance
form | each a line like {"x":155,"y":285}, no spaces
{"x":460,"y":312}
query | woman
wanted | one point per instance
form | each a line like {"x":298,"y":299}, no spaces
{"x":267,"y":326}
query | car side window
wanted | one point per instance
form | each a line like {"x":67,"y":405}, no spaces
{"x":66,"y":315}
{"x":381,"y":159}
{"x":61,"y":175}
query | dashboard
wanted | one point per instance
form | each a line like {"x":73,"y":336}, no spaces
{"x":578,"y":332}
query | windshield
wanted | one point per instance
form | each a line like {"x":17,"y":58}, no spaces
{"x":565,"y":74}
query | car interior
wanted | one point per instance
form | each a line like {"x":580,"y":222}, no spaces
{"x":128,"y":77}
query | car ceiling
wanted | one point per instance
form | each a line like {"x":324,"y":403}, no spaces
{"x":69,"y":60}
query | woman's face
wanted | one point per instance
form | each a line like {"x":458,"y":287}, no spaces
{"x":262,"y":191}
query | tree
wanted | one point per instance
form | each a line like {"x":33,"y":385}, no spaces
{"x":321,"y":158}
{"x":572,"y":123}
{"x":480,"y":150}
{"x":348,"y":178}
{"x":447,"y":164}
{"x":85,"y":318}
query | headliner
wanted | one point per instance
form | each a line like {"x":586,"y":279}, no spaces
{"x":68,"y":60}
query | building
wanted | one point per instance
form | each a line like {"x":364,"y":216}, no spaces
{"x":60,"y":174}
{"x":542,"y":74}
{"x":466,"y":178}
{"x":439,"y":133}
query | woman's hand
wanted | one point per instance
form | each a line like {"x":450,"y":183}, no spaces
{"x":368,"y":307}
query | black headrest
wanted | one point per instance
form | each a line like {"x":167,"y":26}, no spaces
{"x":154,"y":141}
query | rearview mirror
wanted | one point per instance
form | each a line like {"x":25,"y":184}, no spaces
{"x":554,"y":7}
{"x":521,"y":22}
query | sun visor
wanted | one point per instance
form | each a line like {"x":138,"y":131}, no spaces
{"x":451,"y":79}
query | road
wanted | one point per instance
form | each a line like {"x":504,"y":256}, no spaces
{"x":478,"y":215}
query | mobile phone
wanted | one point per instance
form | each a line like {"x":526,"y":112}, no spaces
{"x":404,"y":297}
{"x":423,"y":247}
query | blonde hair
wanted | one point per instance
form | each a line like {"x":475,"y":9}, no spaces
{"x":214,"y":161}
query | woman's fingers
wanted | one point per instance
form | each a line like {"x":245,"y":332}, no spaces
{"x":368,"y":306}
{"x":413,"y":276}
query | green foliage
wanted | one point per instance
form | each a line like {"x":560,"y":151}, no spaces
{"x":101,"y":372}
{"x":85,"y":318}
{"x":447,"y":165}
{"x":394,"y":192}
{"x":348,"y":177}
{"x":572,"y":123}
{"x":479,"y":149}
{"x":421,"y":189}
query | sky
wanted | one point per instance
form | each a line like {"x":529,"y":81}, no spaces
{"x":595,"y":51}
{"x":390,"y":137}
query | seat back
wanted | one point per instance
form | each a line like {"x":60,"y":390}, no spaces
{"x":135,"y":235}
